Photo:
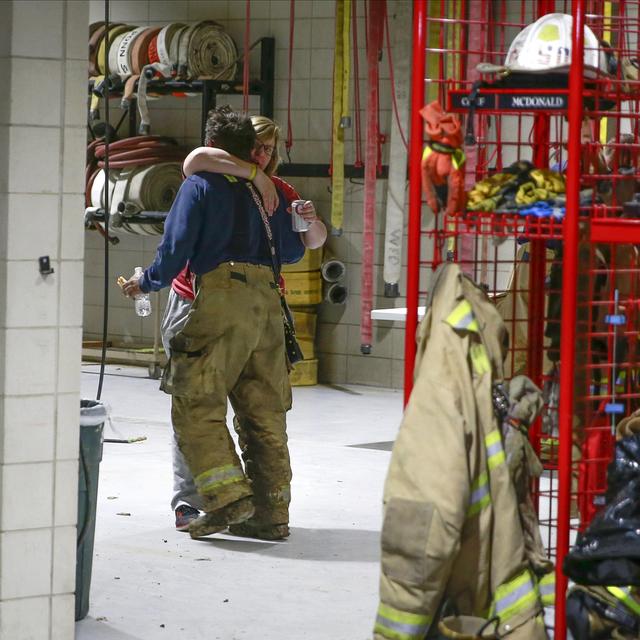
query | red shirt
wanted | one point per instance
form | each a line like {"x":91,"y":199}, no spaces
{"x":182,"y":284}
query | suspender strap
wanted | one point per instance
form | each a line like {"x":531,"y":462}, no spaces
{"x":275,"y":263}
{"x":294,"y":353}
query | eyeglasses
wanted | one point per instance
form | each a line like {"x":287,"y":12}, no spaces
{"x":266,"y":148}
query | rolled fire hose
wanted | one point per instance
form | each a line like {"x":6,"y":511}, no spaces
{"x":161,"y":57}
{"x":333,"y":270}
{"x":139,"y":55}
{"x":152,"y":188}
{"x":97,"y":188}
{"x":156,"y":149}
{"x":340,"y":120}
{"x":165,"y":38}
{"x":397,"y":184}
{"x":96,"y":33}
{"x":124,"y":63}
{"x":141,"y":150}
{"x":136,"y":190}
{"x":102,"y":56}
{"x":203,"y":50}
{"x":211,"y":52}
{"x":117,"y":34}
{"x":336,"y":293}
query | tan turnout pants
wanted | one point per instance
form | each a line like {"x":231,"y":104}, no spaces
{"x":232,"y":347}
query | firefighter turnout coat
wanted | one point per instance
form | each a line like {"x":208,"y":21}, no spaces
{"x":451,"y":528}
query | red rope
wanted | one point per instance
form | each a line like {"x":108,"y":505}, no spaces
{"x":246,"y":60}
{"x":356,"y":86}
{"x":393,"y":82}
{"x":292,"y":17}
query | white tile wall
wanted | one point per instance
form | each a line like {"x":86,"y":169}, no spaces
{"x":166,"y":10}
{"x":6,"y":12}
{"x":24,"y":619}
{"x":4,"y":144}
{"x":76,"y":91}
{"x":64,"y":560}
{"x":207,"y":10}
{"x":30,"y":484}
{"x":68,"y":427}
{"x":39,"y":25}
{"x":28,"y":433}
{"x":39,"y":308}
{"x":26,"y":560}
{"x":71,"y":284}
{"x":69,"y":355}
{"x":42,"y":147}
{"x":62,"y":624}
{"x":31,"y":79}
{"x":26,"y":348}
{"x":66,"y":509}
{"x":35,"y":159}
{"x":41,"y":212}
{"x":75,"y":144}
{"x":72,"y":241}
{"x":77,"y":20}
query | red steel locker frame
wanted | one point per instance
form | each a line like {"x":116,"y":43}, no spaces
{"x":608,"y":230}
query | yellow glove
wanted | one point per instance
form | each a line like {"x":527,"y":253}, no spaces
{"x":526,"y":194}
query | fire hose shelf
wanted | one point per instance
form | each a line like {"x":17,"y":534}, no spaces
{"x":116,"y":219}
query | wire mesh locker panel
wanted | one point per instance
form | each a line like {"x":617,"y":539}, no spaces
{"x":551,"y":223}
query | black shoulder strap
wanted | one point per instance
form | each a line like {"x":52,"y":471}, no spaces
{"x":275,"y":262}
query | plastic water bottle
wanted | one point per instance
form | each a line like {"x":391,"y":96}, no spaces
{"x":142,"y":301}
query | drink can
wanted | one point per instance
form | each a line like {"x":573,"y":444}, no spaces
{"x":298,"y":223}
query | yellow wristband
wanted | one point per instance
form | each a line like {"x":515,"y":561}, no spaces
{"x":254,"y":170}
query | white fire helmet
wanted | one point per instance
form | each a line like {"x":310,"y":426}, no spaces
{"x":545,"y":46}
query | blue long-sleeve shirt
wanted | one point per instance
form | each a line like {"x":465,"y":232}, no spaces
{"x":214,"y":220}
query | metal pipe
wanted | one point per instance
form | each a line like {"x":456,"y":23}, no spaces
{"x":336,"y":293}
{"x":569,"y":310}
{"x":415,"y":193}
{"x":333,"y":270}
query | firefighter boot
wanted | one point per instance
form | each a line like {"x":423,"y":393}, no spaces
{"x":468,"y":628}
{"x":215,"y":521}
{"x":251,"y":529}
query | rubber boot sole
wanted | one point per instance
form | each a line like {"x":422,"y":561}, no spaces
{"x":216,"y":521}
{"x":264,"y":532}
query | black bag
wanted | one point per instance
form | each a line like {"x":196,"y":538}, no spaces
{"x":294,"y":352}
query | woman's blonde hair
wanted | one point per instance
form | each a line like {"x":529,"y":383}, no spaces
{"x":267,"y":129}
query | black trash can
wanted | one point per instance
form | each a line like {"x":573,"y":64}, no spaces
{"x":92,"y":417}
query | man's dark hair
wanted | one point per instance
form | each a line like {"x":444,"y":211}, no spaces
{"x":230,"y":131}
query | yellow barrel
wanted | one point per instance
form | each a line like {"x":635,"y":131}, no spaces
{"x":311,"y":261}
{"x":303,"y":288}
{"x":304,"y":374}
{"x":308,"y":346}
{"x":305,"y":323}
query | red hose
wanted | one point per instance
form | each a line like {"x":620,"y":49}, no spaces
{"x":138,"y":151}
{"x":375,"y":28}
{"x":356,"y":86}
{"x":292,"y":19}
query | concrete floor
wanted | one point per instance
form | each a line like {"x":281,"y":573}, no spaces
{"x":152,"y":582}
